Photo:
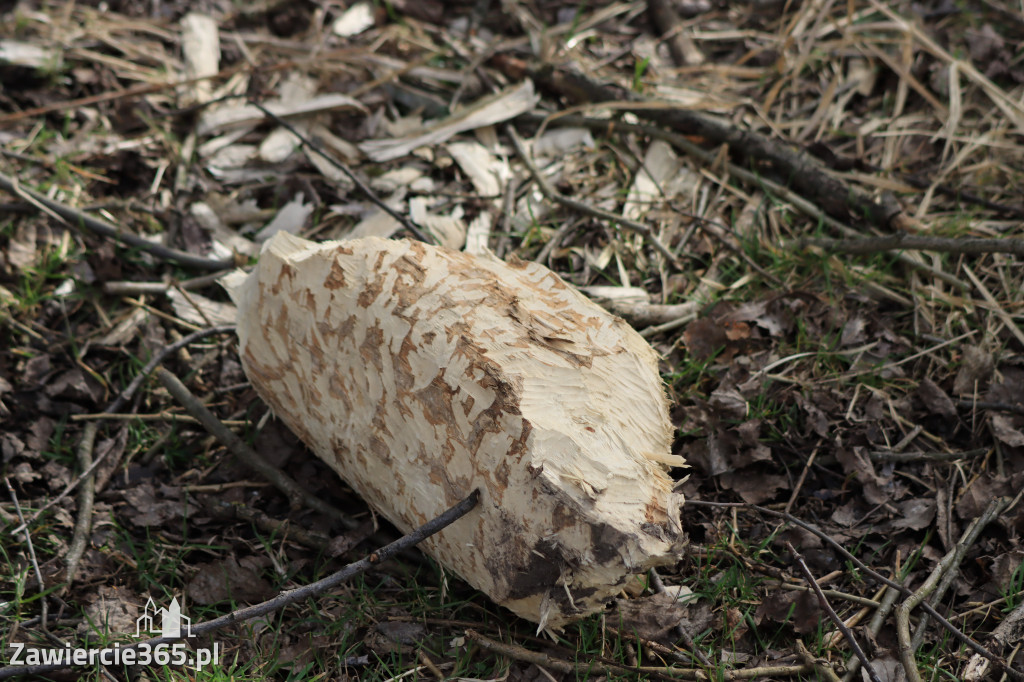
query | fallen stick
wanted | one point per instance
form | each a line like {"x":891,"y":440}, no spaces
{"x":77,"y":219}
{"x":909,"y":242}
{"x":296,"y":494}
{"x":808,"y":177}
{"x":833,"y":616}
{"x":291,"y":596}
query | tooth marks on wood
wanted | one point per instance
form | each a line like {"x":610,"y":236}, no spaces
{"x":420,"y":374}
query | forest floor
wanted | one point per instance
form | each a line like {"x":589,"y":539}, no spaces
{"x":813,"y":211}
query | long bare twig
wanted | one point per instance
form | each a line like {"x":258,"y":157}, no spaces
{"x":599,"y":668}
{"x":821,"y":666}
{"x":75,"y":218}
{"x":1010,"y":629}
{"x":874,"y":626}
{"x":800,"y":203}
{"x":833,"y":616}
{"x":911,"y":242}
{"x":554,"y":195}
{"x":946,"y":567}
{"x":363,"y":187}
{"x":806,"y":174}
{"x":86,"y":496}
{"x":298,"y":495}
{"x":292,"y":596}
{"x":31,"y":551}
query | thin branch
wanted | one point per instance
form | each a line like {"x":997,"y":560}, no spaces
{"x":165,"y":416}
{"x":86,"y":497}
{"x":297,"y":495}
{"x":651,"y":332}
{"x":720,"y":232}
{"x":670,"y":26}
{"x":657,"y":647}
{"x":752,"y":179}
{"x":136,"y":288}
{"x":888,"y":456}
{"x":590,"y":668}
{"x":866,"y":602}
{"x":827,"y":608}
{"x":31,"y":550}
{"x":998,"y":407}
{"x":363,"y":187}
{"x":873,"y":627}
{"x":807,"y":175}
{"x":956,"y":193}
{"x":946,"y":567}
{"x":902,"y":241}
{"x":1008,"y":630}
{"x":292,"y":596}
{"x":646,"y":315}
{"x":821,"y":666}
{"x":319,"y":57}
{"x":77,"y":219}
{"x":268,"y":524}
{"x":554,"y":195}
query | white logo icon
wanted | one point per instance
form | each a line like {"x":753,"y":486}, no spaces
{"x":170,"y":620}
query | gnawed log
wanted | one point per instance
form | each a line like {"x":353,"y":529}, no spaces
{"x":420,"y":374}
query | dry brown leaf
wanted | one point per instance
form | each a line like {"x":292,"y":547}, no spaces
{"x":753,"y":486}
{"x":1008,"y":430}
{"x":935,"y":399}
{"x":114,"y":611}
{"x":975,"y":370}
{"x":228,"y":579}
{"x":653,"y":617}
{"x":153,"y":508}
{"x":915,"y":514}
{"x":800,"y":609}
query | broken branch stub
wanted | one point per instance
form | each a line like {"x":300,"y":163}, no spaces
{"x":420,"y":374}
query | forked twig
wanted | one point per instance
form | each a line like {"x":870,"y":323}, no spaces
{"x":945,"y":570}
{"x":821,"y":666}
{"x":833,"y":616}
{"x":873,"y":627}
{"x":31,"y":550}
{"x":912,"y":242}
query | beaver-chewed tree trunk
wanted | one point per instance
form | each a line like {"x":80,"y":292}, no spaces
{"x":420,"y":374}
